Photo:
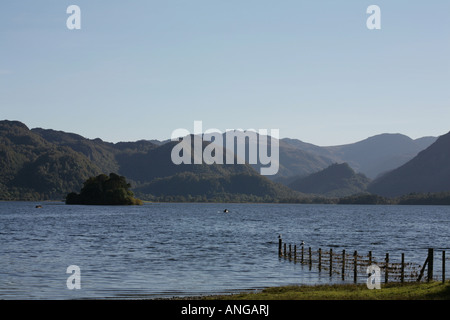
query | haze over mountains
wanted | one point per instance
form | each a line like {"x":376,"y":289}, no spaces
{"x":429,"y":171}
{"x":338,"y":180}
{"x":48,"y":164}
{"x":372,"y":156}
{"x":42,"y":164}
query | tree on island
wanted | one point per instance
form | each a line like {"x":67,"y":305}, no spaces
{"x":104,"y":190}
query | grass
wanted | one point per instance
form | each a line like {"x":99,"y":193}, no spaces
{"x":393,"y":291}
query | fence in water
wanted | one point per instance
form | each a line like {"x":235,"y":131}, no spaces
{"x":353,"y":265}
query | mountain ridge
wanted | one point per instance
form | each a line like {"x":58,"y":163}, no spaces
{"x":374,"y":155}
{"x":429,"y":171}
{"x":337,"y":180}
{"x":45,"y":163}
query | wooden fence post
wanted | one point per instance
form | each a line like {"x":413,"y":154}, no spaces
{"x":310,"y":258}
{"x":443,"y":266}
{"x":280,"y":244}
{"x":284,"y":253}
{"x":430,"y":264}
{"x":370,"y":258}
{"x":331,"y":262}
{"x":343,"y":264}
{"x":402,"y":274}
{"x":290,"y":252}
{"x":386,"y":273}
{"x":355,"y":266}
{"x":295,"y":253}
{"x":303,"y":251}
{"x":320,"y":259}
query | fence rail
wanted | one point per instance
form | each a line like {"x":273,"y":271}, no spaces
{"x":354,"y":264}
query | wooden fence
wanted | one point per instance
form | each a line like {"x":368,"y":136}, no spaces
{"x":354,"y":264}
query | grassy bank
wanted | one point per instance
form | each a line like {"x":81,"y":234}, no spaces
{"x":409,"y":291}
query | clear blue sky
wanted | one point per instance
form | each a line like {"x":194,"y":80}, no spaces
{"x":141,"y":69}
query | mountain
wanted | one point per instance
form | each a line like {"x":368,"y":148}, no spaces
{"x":31,"y":167}
{"x":381,"y":153}
{"x":429,"y":171}
{"x":41,"y":164}
{"x":296,"y":162}
{"x":236,"y":187}
{"x":102,"y":154}
{"x":338,"y":180}
{"x":372,"y":156}
{"x":292,"y":161}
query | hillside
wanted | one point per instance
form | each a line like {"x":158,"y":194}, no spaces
{"x":429,"y":171}
{"x":372,"y":156}
{"x":292,"y":162}
{"x":33,"y":168}
{"x":236,"y":187}
{"x":41,"y":164}
{"x":103,"y":154}
{"x":338,"y":180}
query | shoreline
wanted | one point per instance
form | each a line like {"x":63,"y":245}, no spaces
{"x":434,"y":290}
{"x":147,"y":202}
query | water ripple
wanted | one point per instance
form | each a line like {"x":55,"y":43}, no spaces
{"x":157,"y":251}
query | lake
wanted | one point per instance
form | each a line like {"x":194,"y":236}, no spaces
{"x":166,"y":250}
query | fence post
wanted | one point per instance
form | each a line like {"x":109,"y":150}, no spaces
{"x":284,"y":253}
{"x":402,"y":275}
{"x":370,"y":258}
{"x":331,"y":262}
{"x":310,"y":258}
{"x":280,"y":244}
{"x":320,"y":259}
{"x":355,"y":266}
{"x":303,"y":251}
{"x":443,"y":266}
{"x":386,"y":273}
{"x":430,"y":264}
{"x":295,"y":253}
{"x":343,"y":264}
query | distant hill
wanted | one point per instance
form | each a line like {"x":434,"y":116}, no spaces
{"x":41,"y":164}
{"x":381,"y":153}
{"x":429,"y":171}
{"x":293,"y":161}
{"x":235,"y":187}
{"x":156,"y":163}
{"x":372,"y":156}
{"x":102,"y":154}
{"x":33,"y":168}
{"x":338,"y":180}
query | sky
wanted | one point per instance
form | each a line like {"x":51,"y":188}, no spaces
{"x":312,"y":69}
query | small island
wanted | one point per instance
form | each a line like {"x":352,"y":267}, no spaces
{"x":104,"y":190}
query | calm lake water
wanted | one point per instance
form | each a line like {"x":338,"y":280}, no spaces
{"x":165,"y":250}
